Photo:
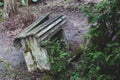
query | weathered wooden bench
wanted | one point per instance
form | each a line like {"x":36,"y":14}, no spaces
{"x":31,"y":38}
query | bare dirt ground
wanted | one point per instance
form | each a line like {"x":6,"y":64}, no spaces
{"x":75,"y":28}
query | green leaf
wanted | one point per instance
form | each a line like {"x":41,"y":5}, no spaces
{"x":108,"y":57}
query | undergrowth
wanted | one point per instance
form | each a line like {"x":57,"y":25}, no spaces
{"x":6,"y":67}
{"x":58,"y":57}
{"x":60,"y":60}
{"x":101,"y":58}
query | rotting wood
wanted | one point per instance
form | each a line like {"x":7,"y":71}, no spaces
{"x":36,"y":57}
{"x":39,"y":34}
{"x":52,"y":32}
{"x":21,"y":35}
{"x":42,"y":26}
{"x":31,"y":39}
{"x":39,"y":21}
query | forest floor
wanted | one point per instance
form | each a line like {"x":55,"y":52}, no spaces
{"x":75,"y":28}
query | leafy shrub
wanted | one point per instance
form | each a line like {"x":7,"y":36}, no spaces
{"x":101,"y":60}
{"x":58,"y":57}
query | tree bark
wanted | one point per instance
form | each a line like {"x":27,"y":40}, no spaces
{"x":10,"y":8}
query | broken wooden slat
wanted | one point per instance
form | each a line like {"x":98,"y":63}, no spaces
{"x":42,"y":26}
{"x":27,"y":55}
{"x":51,"y":32}
{"x":36,"y":57}
{"x":49,"y":27}
{"x":33,"y":25}
{"x":39,"y":21}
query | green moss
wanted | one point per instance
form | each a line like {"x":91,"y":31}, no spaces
{"x":1,"y":19}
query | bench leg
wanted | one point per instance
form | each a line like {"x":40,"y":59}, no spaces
{"x":36,"y":57}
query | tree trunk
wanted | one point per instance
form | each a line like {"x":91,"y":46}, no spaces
{"x":10,"y":8}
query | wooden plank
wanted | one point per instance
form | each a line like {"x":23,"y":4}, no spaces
{"x":48,"y":28}
{"x":52,"y":32}
{"x":27,"y":55}
{"x":42,"y":26}
{"x":33,"y":25}
{"x":36,"y":58}
{"x":40,"y":55}
{"x":17,"y":40}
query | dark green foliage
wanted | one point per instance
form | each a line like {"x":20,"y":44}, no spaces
{"x":58,"y":57}
{"x":1,"y":4}
{"x":101,"y":60}
{"x":1,"y":0}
